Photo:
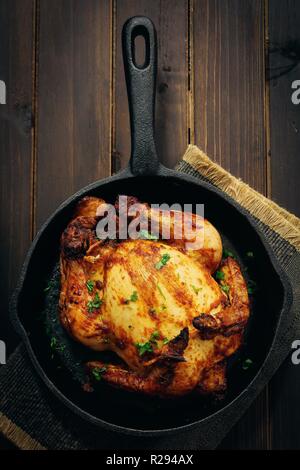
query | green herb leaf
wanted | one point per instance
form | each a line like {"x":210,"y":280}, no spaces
{"x":134,"y":296}
{"x":225,"y":289}
{"x":145,"y":235}
{"x":154,"y":336}
{"x":94,"y":304}
{"x":90,"y":285}
{"x":252,"y":286}
{"x":50,"y":285}
{"x":98,"y":371}
{"x":227,"y":253}
{"x":247,"y":364}
{"x":250,"y":254}
{"x":149,"y":345}
{"x":163,"y":261}
{"x":196,"y":289}
{"x":144,"y":348}
{"x":220,"y":276}
{"x":56,"y":346}
{"x":165,"y":341}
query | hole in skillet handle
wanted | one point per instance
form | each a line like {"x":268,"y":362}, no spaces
{"x":140,"y":47}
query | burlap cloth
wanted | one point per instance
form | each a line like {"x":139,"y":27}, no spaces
{"x":32,"y":419}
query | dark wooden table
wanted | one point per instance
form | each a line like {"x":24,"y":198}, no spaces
{"x":224,"y":82}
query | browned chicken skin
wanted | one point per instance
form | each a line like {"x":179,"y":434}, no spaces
{"x":152,"y":302}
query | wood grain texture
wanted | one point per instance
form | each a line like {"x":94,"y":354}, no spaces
{"x":74,"y":99}
{"x":171,"y":20}
{"x":229,"y":111}
{"x":16,"y":121}
{"x":229,"y":81}
{"x":284,"y":60}
{"x":16,"y":39}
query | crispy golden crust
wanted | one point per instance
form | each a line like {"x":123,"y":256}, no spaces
{"x":172,"y":326}
{"x":213,"y":380}
{"x":235,"y":314}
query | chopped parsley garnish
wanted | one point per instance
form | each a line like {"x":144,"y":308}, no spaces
{"x":148,"y":346}
{"x":250,"y":254}
{"x":50,"y":285}
{"x":155,"y":335}
{"x":247,"y":364}
{"x":90,"y":285}
{"x":56,"y":346}
{"x":251,"y":287}
{"x":163,"y":261}
{"x":227,"y":253}
{"x":98,"y":371}
{"x":145,"y":235}
{"x":133,"y":298}
{"x":165,"y":341}
{"x":144,"y":348}
{"x":196,"y":289}
{"x":225,"y":289}
{"x":220,"y":276}
{"x":94,"y":304}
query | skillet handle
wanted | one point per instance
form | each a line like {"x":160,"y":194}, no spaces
{"x":141,"y":88}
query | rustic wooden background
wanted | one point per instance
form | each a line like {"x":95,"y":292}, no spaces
{"x":224,"y":83}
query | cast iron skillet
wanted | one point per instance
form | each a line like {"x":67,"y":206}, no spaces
{"x":34,"y":304}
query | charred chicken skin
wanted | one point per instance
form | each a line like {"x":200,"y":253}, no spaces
{"x":153,"y":302}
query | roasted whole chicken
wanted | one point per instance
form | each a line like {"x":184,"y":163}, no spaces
{"x":171,"y":314}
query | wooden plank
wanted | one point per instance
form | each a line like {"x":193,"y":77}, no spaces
{"x":171,"y":20}
{"x":16,"y":55}
{"x":229,"y":96}
{"x":229,"y":85}
{"x":284,"y":58}
{"x":74,"y":99}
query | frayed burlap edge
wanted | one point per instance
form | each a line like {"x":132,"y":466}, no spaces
{"x":278,"y":219}
{"x":17,"y":436}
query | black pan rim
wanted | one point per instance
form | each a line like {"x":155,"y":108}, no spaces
{"x":126,"y":174}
